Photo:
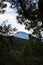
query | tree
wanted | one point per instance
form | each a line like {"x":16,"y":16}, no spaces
{"x":30,"y":13}
{"x":6,"y":29}
{"x":41,"y":10}
{"x":2,"y":6}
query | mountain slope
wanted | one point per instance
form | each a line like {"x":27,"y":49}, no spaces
{"x":22,"y":35}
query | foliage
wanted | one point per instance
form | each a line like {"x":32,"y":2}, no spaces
{"x":6,"y":29}
{"x":29,"y":15}
{"x":31,"y":52}
{"x":2,"y":6}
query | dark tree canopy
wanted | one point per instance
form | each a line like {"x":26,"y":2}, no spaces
{"x":41,"y":5}
{"x":23,"y":6}
{"x":30,"y":11}
{"x":41,"y":10}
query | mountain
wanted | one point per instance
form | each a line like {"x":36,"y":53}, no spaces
{"x":42,"y":39}
{"x":22,"y":35}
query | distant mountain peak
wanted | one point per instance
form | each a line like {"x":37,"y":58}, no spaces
{"x":22,"y":35}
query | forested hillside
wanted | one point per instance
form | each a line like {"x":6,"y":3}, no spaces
{"x":15,"y":51}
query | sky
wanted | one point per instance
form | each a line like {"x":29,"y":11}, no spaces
{"x":10,"y":15}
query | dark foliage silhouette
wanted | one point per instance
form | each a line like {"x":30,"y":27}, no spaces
{"x":41,"y":10}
